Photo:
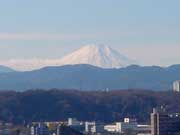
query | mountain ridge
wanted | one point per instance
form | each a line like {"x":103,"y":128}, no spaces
{"x":5,"y":69}
{"x":88,"y":77}
{"x":97,"y":55}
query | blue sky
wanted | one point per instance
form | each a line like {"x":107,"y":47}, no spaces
{"x":147,"y":31}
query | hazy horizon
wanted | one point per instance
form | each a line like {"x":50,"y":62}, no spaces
{"x":147,"y":31}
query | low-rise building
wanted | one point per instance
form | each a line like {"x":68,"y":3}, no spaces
{"x":114,"y":128}
{"x":73,"y":122}
{"x":40,"y":129}
{"x":90,"y":127}
{"x":143,"y":129}
{"x":121,"y":127}
{"x":94,"y":127}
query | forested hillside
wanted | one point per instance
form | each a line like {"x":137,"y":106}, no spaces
{"x":87,"y":77}
{"x":56,"y":105}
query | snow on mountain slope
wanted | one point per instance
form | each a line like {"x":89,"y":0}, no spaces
{"x":4,"y":69}
{"x":97,"y":55}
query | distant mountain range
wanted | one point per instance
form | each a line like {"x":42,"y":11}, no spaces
{"x":87,"y":77}
{"x":4,"y":69}
{"x":96,"y":55}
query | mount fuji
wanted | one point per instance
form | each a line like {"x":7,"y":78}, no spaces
{"x":97,"y":55}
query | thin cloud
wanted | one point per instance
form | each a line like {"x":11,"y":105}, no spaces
{"x":65,"y":36}
{"x":33,"y":36}
{"x":148,"y":33}
{"x":56,"y":36}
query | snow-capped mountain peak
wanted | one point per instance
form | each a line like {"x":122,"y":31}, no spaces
{"x":97,"y":55}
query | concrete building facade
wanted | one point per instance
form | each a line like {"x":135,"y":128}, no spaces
{"x":120,"y":127}
{"x":163,"y":123}
{"x":176,"y":86}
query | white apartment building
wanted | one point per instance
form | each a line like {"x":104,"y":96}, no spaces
{"x":120,"y":127}
{"x":90,"y":127}
{"x":73,"y":122}
{"x":114,"y":128}
{"x":176,"y":86}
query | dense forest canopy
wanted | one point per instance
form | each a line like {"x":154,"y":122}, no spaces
{"x":56,"y":105}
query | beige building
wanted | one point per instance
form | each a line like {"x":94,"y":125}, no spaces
{"x":120,"y":127}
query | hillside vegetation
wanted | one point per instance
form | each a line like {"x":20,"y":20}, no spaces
{"x":87,"y":77}
{"x":53,"y":105}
